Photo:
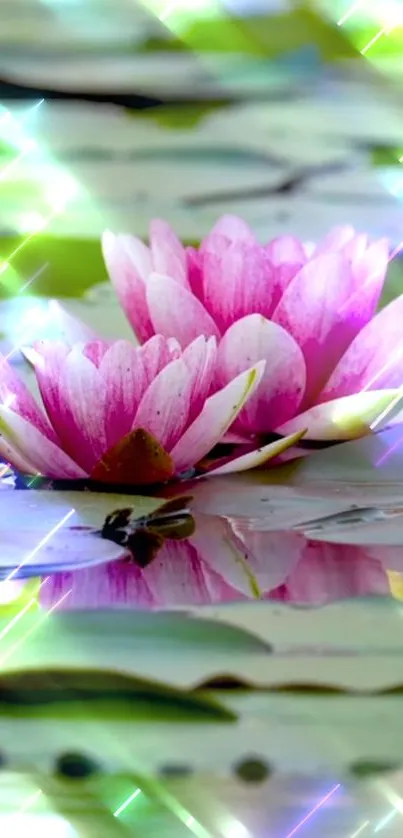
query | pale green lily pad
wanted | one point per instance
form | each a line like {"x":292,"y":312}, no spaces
{"x":101,"y":696}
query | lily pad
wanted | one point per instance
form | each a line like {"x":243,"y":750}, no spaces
{"x":102,"y":695}
{"x":46,"y":532}
{"x":24,"y":555}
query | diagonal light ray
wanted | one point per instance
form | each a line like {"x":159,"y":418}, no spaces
{"x":313,"y":811}
{"x":40,"y":544}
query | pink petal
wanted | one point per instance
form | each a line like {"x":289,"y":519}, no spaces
{"x":219,"y":412}
{"x":233,"y":228}
{"x":219,"y":590}
{"x":222,"y":552}
{"x":258,"y":457}
{"x":95,"y":351}
{"x":175,"y":312}
{"x":126,"y":261}
{"x":336,"y":239}
{"x":200,"y":358}
{"x":82,"y":410}
{"x":195,"y":271}
{"x":287,"y":256}
{"x":315,"y":310}
{"x":164,"y":408}
{"x":286,"y":249}
{"x":237,"y":281}
{"x":15,"y":394}
{"x":232,"y":438}
{"x":139,"y":254}
{"x":349,"y":417}
{"x":271,"y":556}
{"x":155,"y":354}
{"x":168,"y":252}
{"x":249,"y":562}
{"x":355,"y":248}
{"x":369,"y":271}
{"x":374,"y":359}
{"x":13,"y":456}
{"x":46,"y":457}
{"x":124,"y":382}
{"x":328,"y":572}
{"x":48,"y":358}
{"x":175,"y":577}
{"x":253,"y":339}
{"x":114,"y":585}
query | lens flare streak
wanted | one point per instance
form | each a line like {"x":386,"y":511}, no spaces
{"x":34,"y":628}
{"x":126,"y":803}
{"x":313,"y":811}
{"x":385,"y":821}
{"x":41,"y":544}
{"x":360,"y":829}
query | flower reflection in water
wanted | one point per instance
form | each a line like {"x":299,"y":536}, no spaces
{"x":219,"y":564}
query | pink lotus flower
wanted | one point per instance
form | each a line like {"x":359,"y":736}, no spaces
{"x":119,"y":413}
{"x":308,"y":311}
{"x":216,"y":565}
{"x":328,"y":572}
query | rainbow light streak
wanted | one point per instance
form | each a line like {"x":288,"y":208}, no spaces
{"x":9,"y":627}
{"x":388,"y":452}
{"x":360,"y":829}
{"x":390,"y":363}
{"x":126,"y":803}
{"x":314,"y":810}
{"x":356,"y":6}
{"x":384,"y":31}
{"x":389,"y":15}
{"x":385,"y":821}
{"x":35,"y":627}
{"x":41,"y":544}
{"x":387,"y":410}
{"x":396,"y":251}
{"x":34,"y":276}
{"x":22,"y":142}
{"x":35,"y":223}
{"x":158,"y":791}
{"x":173,"y":13}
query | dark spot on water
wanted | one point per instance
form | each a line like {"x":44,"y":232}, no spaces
{"x":368,"y":768}
{"x":252,"y":770}
{"x":173,"y":770}
{"x":75,"y":766}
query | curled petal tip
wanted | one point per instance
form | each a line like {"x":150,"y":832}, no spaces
{"x":32,"y":355}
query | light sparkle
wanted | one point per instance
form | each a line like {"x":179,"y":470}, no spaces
{"x":313,"y":811}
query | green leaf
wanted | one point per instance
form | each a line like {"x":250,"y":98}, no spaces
{"x":102,"y":696}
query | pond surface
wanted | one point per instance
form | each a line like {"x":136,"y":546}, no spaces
{"x":326,"y":528}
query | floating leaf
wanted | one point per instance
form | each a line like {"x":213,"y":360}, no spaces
{"x":26,"y":553}
{"x":46,"y":532}
{"x":97,"y":694}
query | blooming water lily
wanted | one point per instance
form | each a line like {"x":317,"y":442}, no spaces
{"x":122,"y":414}
{"x":333,"y":366}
